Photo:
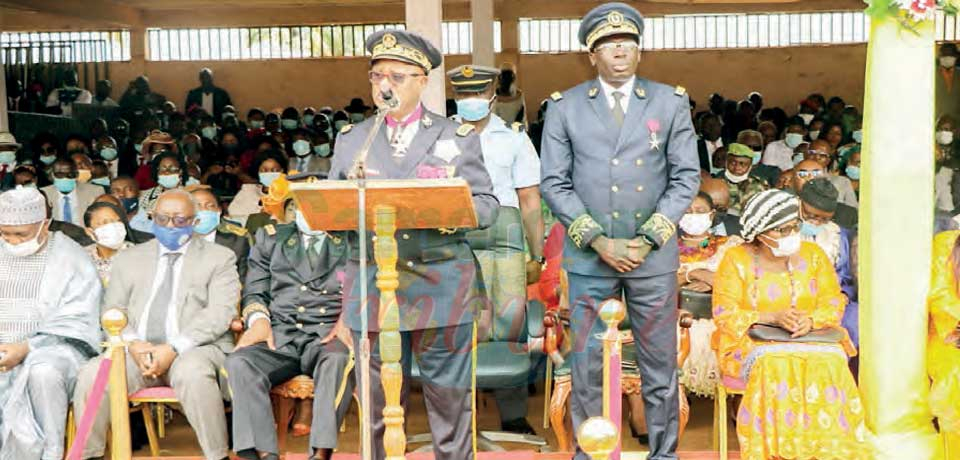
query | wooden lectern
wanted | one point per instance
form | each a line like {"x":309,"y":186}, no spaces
{"x":441,"y":204}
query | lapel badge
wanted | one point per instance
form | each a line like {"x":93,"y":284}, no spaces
{"x":292,"y":241}
{"x":640,"y":93}
{"x":427,"y":122}
{"x":593,"y":92}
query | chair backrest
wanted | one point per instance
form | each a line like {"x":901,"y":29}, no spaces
{"x":510,"y":322}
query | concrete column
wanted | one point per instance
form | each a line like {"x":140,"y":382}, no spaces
{"x":4,"y":124}
{"x":481,"y":13}
{"x":424,"y":17}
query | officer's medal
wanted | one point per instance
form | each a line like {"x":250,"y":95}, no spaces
{"x":399,"y":149}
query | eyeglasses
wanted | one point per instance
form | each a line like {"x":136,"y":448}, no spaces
{"x":809,"y":173}
{"x":610,"y":46}
{"x":818,"y":152}
{"x":787,"y":229}
{"x":178,"y":221}
{"x":169,"y":170}
{"x":816,"y":220}
{"x":65,"y":175}
{"x":397,"y":78}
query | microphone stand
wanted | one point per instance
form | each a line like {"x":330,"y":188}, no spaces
{"x":359,"y":172}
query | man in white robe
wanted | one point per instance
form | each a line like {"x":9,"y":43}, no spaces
{"x":49,"y":326}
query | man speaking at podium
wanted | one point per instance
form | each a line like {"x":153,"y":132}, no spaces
{"x":440,"y":287}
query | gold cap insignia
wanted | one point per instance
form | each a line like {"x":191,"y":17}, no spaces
{"x":389,"y":40}
{"x":615,"y":18}
{"x":468,"y":72}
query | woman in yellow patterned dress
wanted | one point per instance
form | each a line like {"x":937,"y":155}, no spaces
{"x":800,"y":400}
{"x":943,"y":354}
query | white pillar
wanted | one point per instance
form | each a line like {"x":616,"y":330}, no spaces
{"x":481,"y":13}
{"x":424,"y":17}
{"x":4,"y":124}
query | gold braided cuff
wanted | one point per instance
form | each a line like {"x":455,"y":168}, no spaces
{"x":659,"y":229}
{"x":253,"y":308}
{"x":584,"y":230}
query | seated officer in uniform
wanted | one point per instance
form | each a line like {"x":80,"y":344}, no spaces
{"x":291,"y":308}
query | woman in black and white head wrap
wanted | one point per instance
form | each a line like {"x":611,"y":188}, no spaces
{"x":768,"y":210}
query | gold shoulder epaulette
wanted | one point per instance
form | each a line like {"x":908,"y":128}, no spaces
{"x":556,"y":96}
{"x":464,"y":129}
{"x":517,"y":127}
{"x":271,"y":229}
{"x":346,"y":129}
{"x":235,"y":229}
{"x":680,"y":91}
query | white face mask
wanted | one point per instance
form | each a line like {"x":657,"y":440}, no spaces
{"x":304,"y":227}
{"x":948,"y":61}
{"x":814,"y":134}
{"x":27,"y":248}
{"x":786,"y":246}
{"x":734,"y":178}
{"x":944,"y":137}
{"x":696,"y":224}
{"x":807,"y":118}
{"x":793,"y":140}
{"x":111,"y":235}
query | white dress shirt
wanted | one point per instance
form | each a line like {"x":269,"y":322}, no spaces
{"x":112,"y":167}
{"x":778,"y":154}
{"x":179,"y":343}
{"x":75,"y":213}
{"x":624,"y":89}
{"x":206,"y":102}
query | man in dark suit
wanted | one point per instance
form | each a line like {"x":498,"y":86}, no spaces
{"x":709,"y":142}
{"x":211,"y":99}
{"x":619,"y":169}
{"x":212,"y":228}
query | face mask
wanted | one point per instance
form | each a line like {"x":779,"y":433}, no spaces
{"x":308,"y":119}
{"x":209,"y":132}
{"x":130,"y":204}
{"x":858,"y":136}
{"x":356,"y":117}
{"x":103,"y":181}
{"x":715,"y":170}
{"x":948,"y":61}
{"x":329,"y":133}
{"x":8,"y":158}
{"x":301,"y":147}
{"x":207,"y":222}
{"x":853,"y":172}
{"x":814,"y":134}
{"x":473,"y":108}
{"x":169,"y":181}
{"x":288,"y":124}
{"x":48,"y":159}
{"x":339,"y":124}
{"x":808,"y":229}
{"x":734,"y":178}
{"x":807,"y":118}
{"x":944,"y":137}
{"x":192,"y":181}
{"x":793,"y":140}
{"x":756,"y":158}
{"x":172,"y":238}
{"x":797,"y":158}
{"x":84,"y":175}
{"x":786,"y":246}
{"x":111,"y":235}
{"x":137,"y":147}
{"x":695,"y":224}
{"x":304,"y":227}
{"x":108,"y":153}
{"x":65,"y":186}
{"x":27,"y":248}
{"x":322,"y":150}
{"x":256,"y":124}
{"x":267,"y":178}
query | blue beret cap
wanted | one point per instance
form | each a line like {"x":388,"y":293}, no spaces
{"x":614,"y":18}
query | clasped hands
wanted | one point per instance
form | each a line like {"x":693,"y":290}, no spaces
{"x":796,"y":322}
{"x":621,"y":254}
{"x":153,"y":360}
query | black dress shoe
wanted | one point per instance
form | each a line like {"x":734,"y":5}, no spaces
{"x":641,"y":438}
{"x":518,"y":426}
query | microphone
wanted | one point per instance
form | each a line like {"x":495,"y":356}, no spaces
{"x":389,"y":99}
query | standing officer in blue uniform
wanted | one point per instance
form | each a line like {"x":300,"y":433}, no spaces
{"x":440,"y":278}
{"x":619,"y":169}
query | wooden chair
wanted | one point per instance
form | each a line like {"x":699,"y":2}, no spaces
{"x":149,"y":401}
{"x":726,"y":386}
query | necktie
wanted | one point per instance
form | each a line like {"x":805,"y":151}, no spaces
{"x":617,"y":108}
{"x":67,"y":209}
{"x":157,"y":320}
{"x":313,"y":251}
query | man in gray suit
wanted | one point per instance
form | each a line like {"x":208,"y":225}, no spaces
{"x":180,"y":294}
{"x":439,"y":276}
{"x":619,"y":169}
{"x":291,"y":331}
{"x":67,"y":197}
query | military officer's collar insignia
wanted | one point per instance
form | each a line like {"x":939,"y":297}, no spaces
{"x":464,"y":129}
{"x":427,"y":121}
{"x":556,"y":96}
{"x":680,"y":91}
{"x":389,"y":40}
{"x":593,"y":92}
{"x":292,"y":241}
{"x":615,"y":18}
{"x":640,"y":92}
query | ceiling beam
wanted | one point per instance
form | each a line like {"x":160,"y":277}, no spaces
{"x":102,"y":12}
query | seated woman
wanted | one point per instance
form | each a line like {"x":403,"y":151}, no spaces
{"x":700,"y":254}
{"x":800,"y":400}
{"x":267,"y":167}
{"x":106,"y":224}
{"x":943,"y":350}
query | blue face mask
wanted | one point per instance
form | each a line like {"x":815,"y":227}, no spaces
{"x":808,"y":229}
{"x":853,"y":172}
{"x":308,"y":119}
{"x":858,"y":136}
{"x":108,"y":153}
{"x":137,"y":147}
{"x":104,"y":181}
{"x":64,"y":185}
{"x":48,"y":159}
{"x":267,"y":178}
{"x":473,"y":108}
{"x":322,"y":150}
{"x":172,"y":238}
{"x":301,"y":147}
{"x":207,"y":221}
{"x":289,"y":124}
{"x":169,"y":181}
{"x":209,"y":132}
{"x":356,"y":117}
{"x":130,"y":204}
{"x":8,"y":158}
{"x":256,"y":124}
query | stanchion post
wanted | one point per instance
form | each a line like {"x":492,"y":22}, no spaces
{"x":113,"y":321}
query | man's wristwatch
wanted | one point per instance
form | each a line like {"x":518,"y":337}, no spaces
{"x":541,"y":260}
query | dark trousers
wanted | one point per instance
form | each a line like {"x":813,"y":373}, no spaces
{"x":443,"y":357}
{"x":652,"y":309}
{"x":254,"y":370}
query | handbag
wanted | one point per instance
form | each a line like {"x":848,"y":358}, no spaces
{"x":764,"y":332}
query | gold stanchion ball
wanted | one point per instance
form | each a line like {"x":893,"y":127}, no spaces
{"x":113,"y":321}
{"x":598,"y":437}
{"x":612,"y":310}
